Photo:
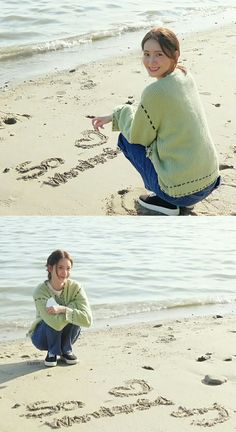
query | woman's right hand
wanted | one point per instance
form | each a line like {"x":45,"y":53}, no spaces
{"x":55,"y":310}
{"x":99,"y":122}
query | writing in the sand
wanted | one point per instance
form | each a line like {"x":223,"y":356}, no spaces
{"x":135,"y":387}
{"x":30,"y":171}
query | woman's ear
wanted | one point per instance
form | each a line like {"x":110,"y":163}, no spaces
{"x":177,"y":54}
{"x":49,"y":268}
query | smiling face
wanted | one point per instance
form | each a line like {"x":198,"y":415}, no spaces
{"x":63,"y":269}
{"x":156,"y":61}
{"x":60,"y":272}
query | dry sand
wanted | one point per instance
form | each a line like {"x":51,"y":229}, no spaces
{"x":52,"y":133}
{"x":147,"y":378}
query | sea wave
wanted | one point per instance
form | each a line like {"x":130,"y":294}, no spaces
{"x":29,"y":50}
{"x":121,"y":310}
{"x":16,"y":327}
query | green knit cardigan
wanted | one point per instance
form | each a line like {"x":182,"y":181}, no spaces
{"x":170,"y":122}
{"x":72,"y":296}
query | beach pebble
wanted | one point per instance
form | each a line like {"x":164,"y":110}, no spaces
{"x":148,"y":367}
{"x":123,"y":191}
{"x":229,"y":358}
{"x":9,"y":120}
{"x":217,"y":316}
{"x":214,"y":380}
{"x":203,"y":358}
{"x":223,"y":166}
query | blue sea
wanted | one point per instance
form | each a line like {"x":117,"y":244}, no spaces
{"x":134,"y":269}
{"x":47,"y":36}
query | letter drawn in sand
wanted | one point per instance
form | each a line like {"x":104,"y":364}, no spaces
{"x":83,"y":165}
{"x":33,"y":172}
{"x":222,"y":417}
{"x":41,"y":409}
{"x":40,"y":169}
{"x":133,"y":387}
{"x":140,"y":405}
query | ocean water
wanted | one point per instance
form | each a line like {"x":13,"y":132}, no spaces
{"x":45,"y":36}
{"x":133,"y":269}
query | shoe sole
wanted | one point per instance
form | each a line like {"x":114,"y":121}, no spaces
{"x":162,"y":210}
{"x":190,"y":207}
{"x":50,"y":364}
{"x":69,"y":362}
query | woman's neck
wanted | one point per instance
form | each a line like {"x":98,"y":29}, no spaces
{"x":56,"y":286}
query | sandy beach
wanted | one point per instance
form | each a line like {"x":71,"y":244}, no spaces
{"x":53,"y":163}
{"x":147,"y":377}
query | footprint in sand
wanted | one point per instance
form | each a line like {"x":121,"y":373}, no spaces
{"x":125,"y":202}
{"x":87,"y":85}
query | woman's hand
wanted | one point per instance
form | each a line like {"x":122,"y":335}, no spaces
{"x":55,"y":310}
{"x":99,"y":122}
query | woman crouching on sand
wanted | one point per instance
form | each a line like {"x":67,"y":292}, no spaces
{"x":61,"y":309}
{"x":166,"y":138}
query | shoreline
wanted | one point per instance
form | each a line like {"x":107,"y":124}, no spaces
{"x":145,"y":371}
{"x":50,"y":150}
{"x":145,"y":318}
{"x":101,"y":49}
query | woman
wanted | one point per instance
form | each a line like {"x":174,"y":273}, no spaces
{"x":167,"y":138}
{"x":61,"y":309}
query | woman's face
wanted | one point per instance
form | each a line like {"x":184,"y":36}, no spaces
{"x":61,"y":270}
{"x":155,"y":60}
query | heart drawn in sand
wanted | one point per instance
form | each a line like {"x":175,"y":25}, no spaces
{"x":90,"y":135}
{"x":134,"y":387}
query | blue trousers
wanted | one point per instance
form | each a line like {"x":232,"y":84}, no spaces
{"x":136,"y":154}
{"x":45,"y":338}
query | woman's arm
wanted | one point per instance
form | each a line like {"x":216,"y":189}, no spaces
{"x":78,"y":311}
{"x":75,"y":310}
{"x":140,"y":125}
{"x":53,"y":316}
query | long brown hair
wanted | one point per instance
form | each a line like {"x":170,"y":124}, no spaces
{"x":168,"y":42}
{"x":55,"y":257}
